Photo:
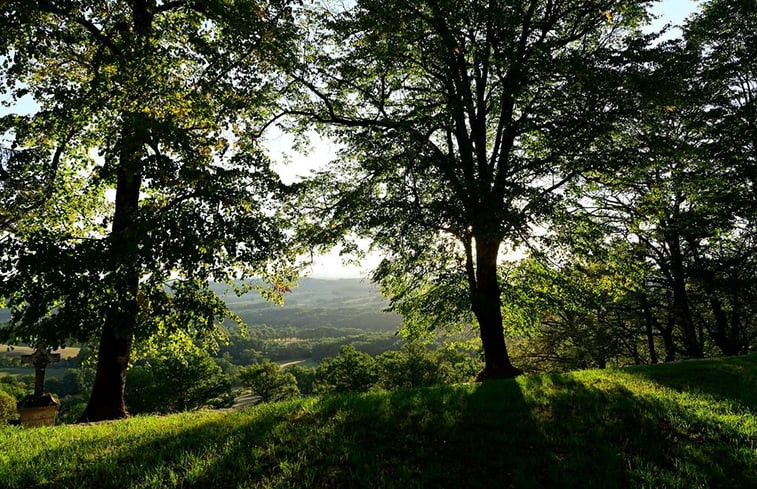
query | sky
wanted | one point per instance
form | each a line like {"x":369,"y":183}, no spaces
{"x":292,"y":165}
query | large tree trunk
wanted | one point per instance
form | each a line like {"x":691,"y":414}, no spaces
{"x":107,"y":398}
{"x":487,"y":307}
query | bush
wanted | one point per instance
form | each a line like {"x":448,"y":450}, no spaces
{"x":413,"y":366}
{"x":269,"y":381}
{"x":350,"y":371}
{"x":71,"y":408}
{"x":305,"y":377}
{"x":17,"y":387}
{"x":7,"y":407}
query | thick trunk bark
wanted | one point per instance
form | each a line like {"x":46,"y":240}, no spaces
{"x":725,"y":336}
{"x":107,"y":398}
{"x":487,"y":307}
{"x":667,"y":340}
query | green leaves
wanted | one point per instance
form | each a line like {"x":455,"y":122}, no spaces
{"x":171,"y":98}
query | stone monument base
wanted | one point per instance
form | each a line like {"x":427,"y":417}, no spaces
{"x":38,"y":410}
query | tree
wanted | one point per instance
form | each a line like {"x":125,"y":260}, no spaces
{"x":682,"y":198}
{"x":175,"y":381}
{"x":722,"y":35}
{"x":350,"y":371}
{"x":153,"y":110}
{"x":460,"y":122}
{"x":7,"y":407}
{"x":269,"y":381}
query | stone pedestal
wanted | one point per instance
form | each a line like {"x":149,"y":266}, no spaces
{"x":38,"y":410}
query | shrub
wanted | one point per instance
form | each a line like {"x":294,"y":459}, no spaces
{"x":175,"y":382}
{"x":7,"y":407}
{"x":269,"y":381}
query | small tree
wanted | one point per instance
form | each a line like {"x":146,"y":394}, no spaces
{"x":350,"y":371}
{"x":175,"y":382}
{"x":269,"y":381}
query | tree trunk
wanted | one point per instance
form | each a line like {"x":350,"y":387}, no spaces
{"x":107,"y":398}
{"x":487,"y":306}
{"x":692,"y":345}
{"x":648,"y":324}
{"x":667,"y":340}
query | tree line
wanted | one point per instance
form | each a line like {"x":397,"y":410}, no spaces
{"x":625,"y":163}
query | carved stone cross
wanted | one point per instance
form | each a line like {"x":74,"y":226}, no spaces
{"x":41,"y":358}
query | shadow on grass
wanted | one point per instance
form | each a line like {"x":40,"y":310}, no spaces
{"x":550,"y":431}
{"x":732,"y":379}
{"x":150,"y":459}
{"x":620,"y":438}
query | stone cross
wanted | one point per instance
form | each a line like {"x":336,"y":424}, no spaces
{"x":41,"y":358}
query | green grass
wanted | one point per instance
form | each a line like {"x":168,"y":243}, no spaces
{"x":685,"y":425}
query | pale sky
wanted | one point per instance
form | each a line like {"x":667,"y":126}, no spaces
{"x":292,"y":165}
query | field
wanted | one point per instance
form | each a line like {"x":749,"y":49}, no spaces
{"x":17,"y":351}
{"x":683,"y":425}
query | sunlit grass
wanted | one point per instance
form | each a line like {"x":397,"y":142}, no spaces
{"x":684,"y":425}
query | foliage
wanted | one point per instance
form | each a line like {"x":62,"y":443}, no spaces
{"x":298,"y":344}
{"x":580,"y":314}
{"x":460,"y":122}
{"x":350,"y":371}
{"x":681,"y":425}
{"x":269,"y":381}
{"x":16,"y":386}
{"x":175,"y":381}
{"x":417,"y":366}
{"x":305,"y":378}
{"x":7,"y":407}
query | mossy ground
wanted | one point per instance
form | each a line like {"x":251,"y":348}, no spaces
{"x":684,"y":425}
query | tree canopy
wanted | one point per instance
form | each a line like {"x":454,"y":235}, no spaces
{"x":150,"y":113}
{"x":461,"y":122}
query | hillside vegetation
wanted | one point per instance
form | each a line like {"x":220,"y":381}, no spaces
{"x":689,"y":424}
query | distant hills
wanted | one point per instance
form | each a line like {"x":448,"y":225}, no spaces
{"x":338,"y":303}
{"x":315,"y":303}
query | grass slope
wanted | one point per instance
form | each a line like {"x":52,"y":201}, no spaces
{"x":689,"y":424}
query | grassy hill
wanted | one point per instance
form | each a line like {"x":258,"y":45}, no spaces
{"x":684,"y":425}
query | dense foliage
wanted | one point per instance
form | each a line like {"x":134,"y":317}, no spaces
{"x":7,"y":407}
{"x":148,"y":134}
